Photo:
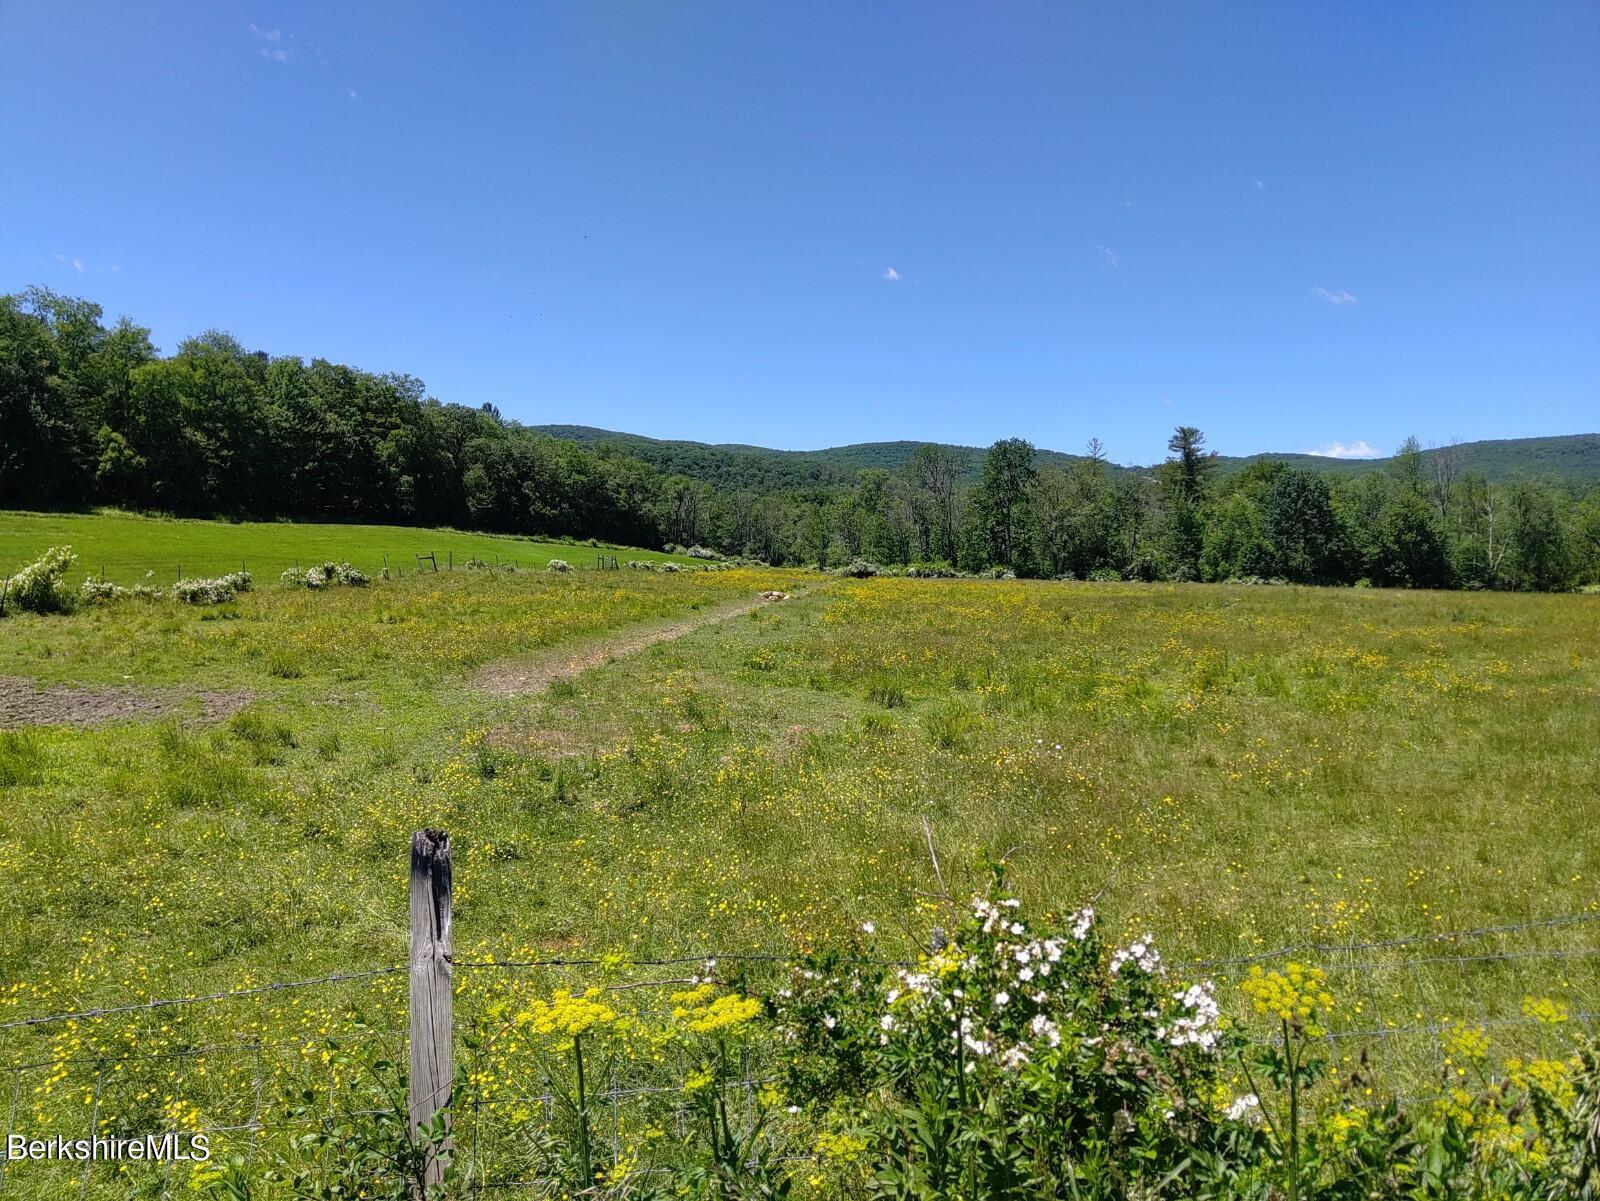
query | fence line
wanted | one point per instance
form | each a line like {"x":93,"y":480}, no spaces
{"x":474,"y":1107}
{"x":711,"y":958}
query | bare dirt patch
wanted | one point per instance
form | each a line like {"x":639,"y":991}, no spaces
{"x":526,"y":676}
{"x":25,"y":703}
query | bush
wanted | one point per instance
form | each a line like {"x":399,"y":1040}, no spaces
{"x":213,"y":591}
{"x":931,"y":569}
{"x":558,"y":565}
{"x":325,"y":574}
{"x":1104,"y":575}
{"x":41,"y":587}
{"x":1020,"y":1064}
{"x":860,"y":569}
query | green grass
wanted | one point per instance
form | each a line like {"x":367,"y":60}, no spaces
{"x":1230,"y":768}
{"x":126,"y":546}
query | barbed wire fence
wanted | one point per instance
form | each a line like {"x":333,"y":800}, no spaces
{"x":1399,"y":998}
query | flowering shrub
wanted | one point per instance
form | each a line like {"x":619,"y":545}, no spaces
{"x":325,"y":574}
{"x":1016,"y":1064}
{"x":558,"y":565}
{"x":1011,"y":1063}
{"x":98,"y":591}
{"x":213,"y":591}
{"x":41,"y":587}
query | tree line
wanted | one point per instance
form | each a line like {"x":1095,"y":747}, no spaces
{"x":93,"y":414}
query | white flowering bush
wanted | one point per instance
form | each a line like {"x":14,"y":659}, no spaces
{"x":1019,"y":1064}
{"x":98,"y":591}
{"x":41,"y":586}
{"x":324,"y":575}
{"x":558,"y":565}
{"x":1012,"y":1062}
{"x":215,"y":591}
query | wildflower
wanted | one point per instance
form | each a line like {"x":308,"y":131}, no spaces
{"x":1142,"y":954}
{"x":725,"y":1013}
{"x":1467,"y":1042}
{"x":696,"y":1081}
{"x":1296,"y":994}
{"x":1243,"y":1107}
{"x":567,"y":1014}
{"x":869,"y":927}
{"x":1043,"y":1027}
{"x":1545,"y":1010}
{"x":1082,"y":923}
{"x":1197,"y":1026}
{"x":841,"y":1147}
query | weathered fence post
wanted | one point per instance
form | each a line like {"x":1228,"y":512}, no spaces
{"x":432,"y":985}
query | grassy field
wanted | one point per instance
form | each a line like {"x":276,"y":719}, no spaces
{"x":126,"y":546}
{"x":1232,"y":769}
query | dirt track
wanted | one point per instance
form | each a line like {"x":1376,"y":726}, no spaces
{"x":531,"y":674}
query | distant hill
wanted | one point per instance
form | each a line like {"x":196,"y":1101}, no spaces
{"x":1571,"y":459}
{"x":759,"y":467}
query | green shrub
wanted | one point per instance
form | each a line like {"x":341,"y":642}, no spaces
{"x":41,"y":587}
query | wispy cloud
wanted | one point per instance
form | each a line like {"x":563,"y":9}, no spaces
{"x":1346,"y":450}
{"x":355,"y":95}
{"x":1260,"y":187}
{"x":75,"y":263}
{"x":274,"y":49}
{"x":890,"y":274}
{"x":1111,"y":255}
{"x":1337,"y":296}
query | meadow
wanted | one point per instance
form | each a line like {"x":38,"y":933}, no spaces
{"x":124,"y":547}
{"x":1231,"y":769}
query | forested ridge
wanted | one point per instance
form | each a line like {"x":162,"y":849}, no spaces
{"x":92,"y":414}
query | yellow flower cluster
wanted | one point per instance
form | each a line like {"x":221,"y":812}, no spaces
{"x":726,"y":1012}
{"x":1468,"y":1043}
{"x":1346,"y":1122}
{"x":1553,"y":1077}
{"x":1298,"y":993}
{"x":840,"y":1147}
{"x":567,"y":1013}
{"x":1545,"y":1010}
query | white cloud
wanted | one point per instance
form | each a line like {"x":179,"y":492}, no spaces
{"x":1111,"y":255}
{"x":273,"y":51}
{"x":890,"y":274}
{"x":1359,"y":449}
{"x":1338,"y":296}
{"x":1260,"y":187}
{"x":355,"y":95}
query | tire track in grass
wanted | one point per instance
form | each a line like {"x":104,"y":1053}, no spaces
{"x":528,"y":675}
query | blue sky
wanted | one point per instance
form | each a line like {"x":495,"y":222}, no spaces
{"x":802,"y":225}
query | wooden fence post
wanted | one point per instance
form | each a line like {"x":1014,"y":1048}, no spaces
{"x":432,"y":986}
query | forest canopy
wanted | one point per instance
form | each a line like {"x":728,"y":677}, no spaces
{"x":93,"y":414}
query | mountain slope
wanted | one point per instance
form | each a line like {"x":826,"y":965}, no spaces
{"x":1571,"y":459}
